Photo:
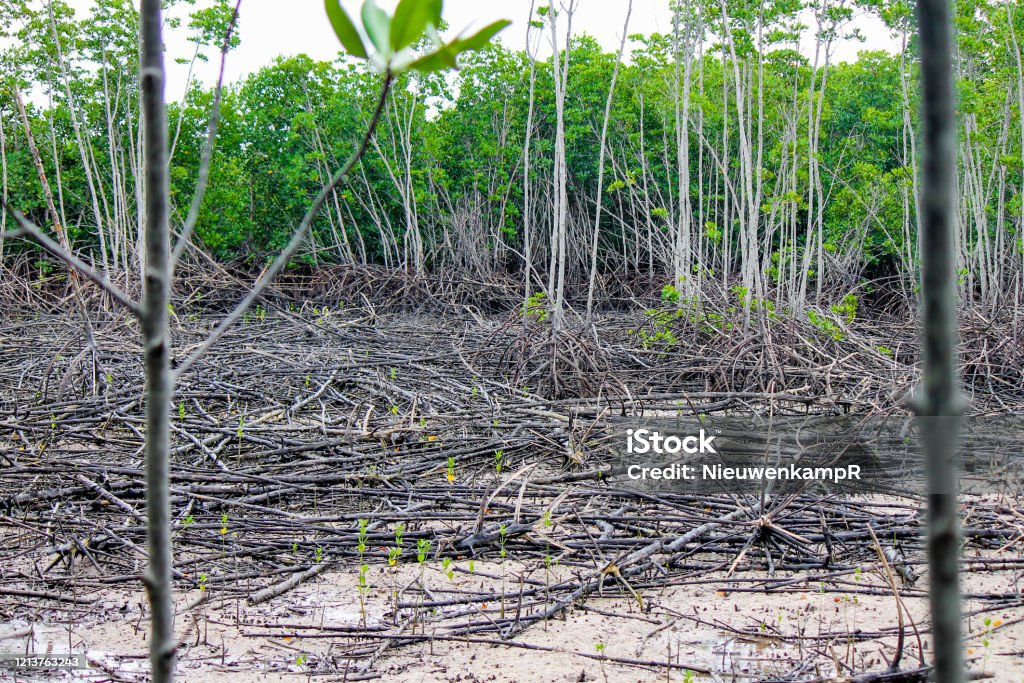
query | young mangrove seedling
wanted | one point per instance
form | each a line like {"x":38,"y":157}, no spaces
{"x":394,"y":553}
{"x":451,"y":468}
{"x":599,"y":647}
{"x":363,"y":585}
{"x":422,"y":550}
{"x":499,"y":460}
{"x":502,"y":533}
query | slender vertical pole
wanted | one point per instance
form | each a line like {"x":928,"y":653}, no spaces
{"x":939,"y":403}
{"x":156,"y":340}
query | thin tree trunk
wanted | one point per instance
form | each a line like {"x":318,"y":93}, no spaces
{"x":86,"y":166}
{"x":940,"y":396}
{"x":156,"y":341}
{"x":600,"y":164}
{"x":527,"y":218}
{"x":3,"y":175}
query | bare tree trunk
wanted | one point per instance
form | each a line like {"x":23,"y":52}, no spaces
{"x":600,"y":164}
{"x":3,"y":176}
{"x":86,"y":166}
{"x":560,"y":195}
{"x":156,"y":342}
{"x":527,"y":218}
{"x":940,"y":396}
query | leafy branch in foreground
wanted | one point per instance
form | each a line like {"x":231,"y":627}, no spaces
{"x":392,"y":40}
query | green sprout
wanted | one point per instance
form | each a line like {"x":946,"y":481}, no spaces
{"x":395,"y":553}
{"x":361,"y":547}
{"x":422,"y":549}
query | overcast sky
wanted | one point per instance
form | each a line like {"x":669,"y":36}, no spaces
{"x":270,"y":28}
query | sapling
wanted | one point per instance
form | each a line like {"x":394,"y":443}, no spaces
{"x":451,"y":468}
{"x":422,"y":550}
{"x":394,"y":554}
{"x":600,"y":651}
{"x":499,"y":460}
{"x":363,"y":586}
{"x":240,"y":432}
{"x":546,"y":522}
{"x":502,"y":533}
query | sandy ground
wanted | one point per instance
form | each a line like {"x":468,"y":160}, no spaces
{"x":800,"y":634}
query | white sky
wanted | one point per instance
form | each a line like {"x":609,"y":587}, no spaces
{"x":271,"y":28}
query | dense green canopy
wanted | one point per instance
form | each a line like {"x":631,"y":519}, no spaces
{"x":800,"y":172}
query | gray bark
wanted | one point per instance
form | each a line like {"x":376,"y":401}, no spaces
{"x":940,"y":396}
{"x":156,"y":342}
{"x":600,"y":165}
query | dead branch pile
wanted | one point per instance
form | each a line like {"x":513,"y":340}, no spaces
{"x":300,"y":424}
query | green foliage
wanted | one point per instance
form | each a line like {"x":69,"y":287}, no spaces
{"x":388,"y":41}
{"x":826,"y":325}
{"x":661,"y":334}
{"x":847,"y":308}
{"x":536,"y":307}
{"x":669,"y":294}
{"x":422,"y":550}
